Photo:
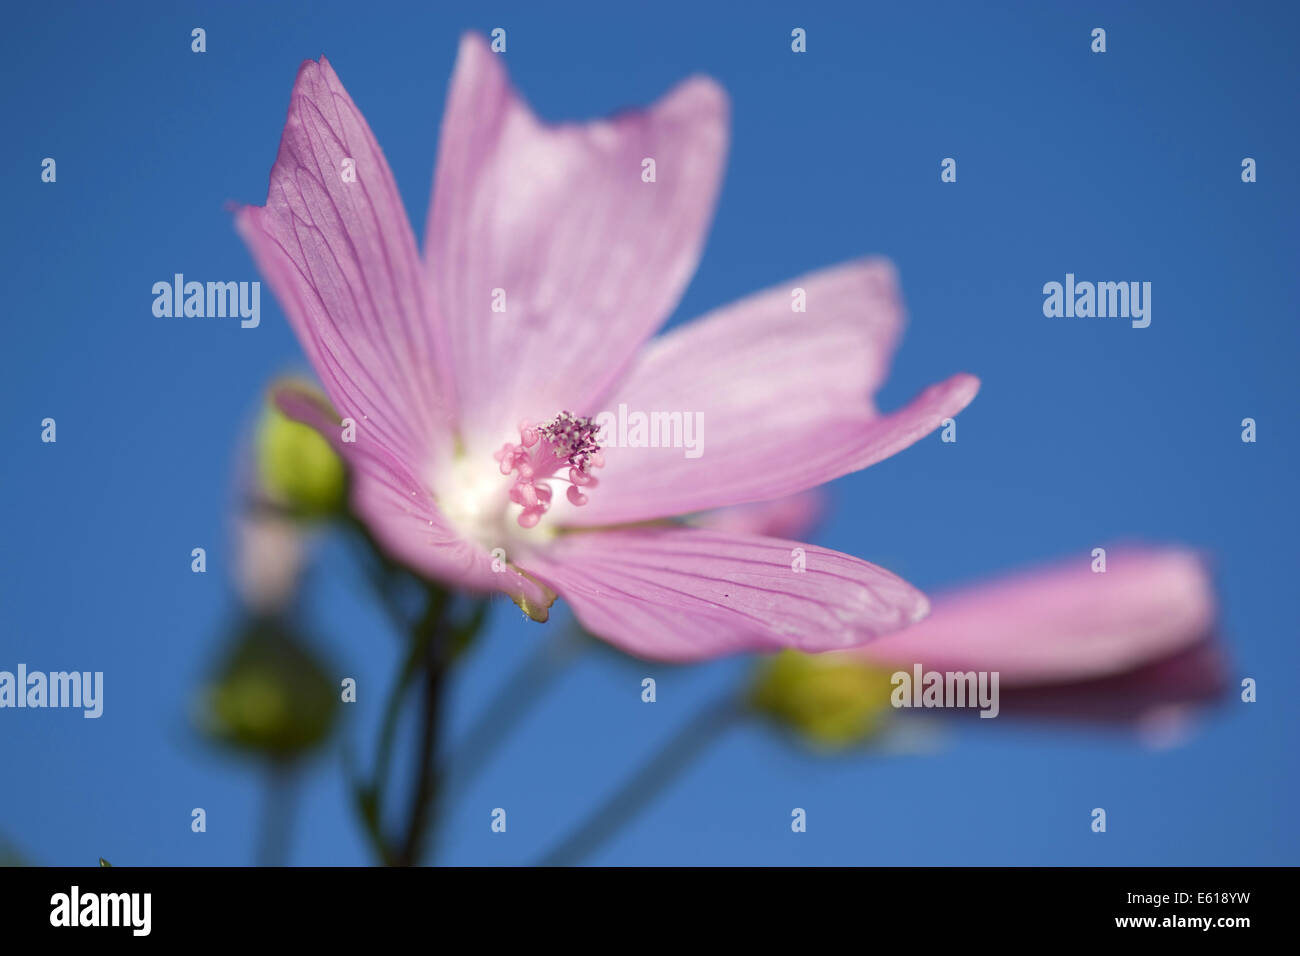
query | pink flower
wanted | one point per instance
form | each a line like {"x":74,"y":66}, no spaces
{"x":469,"y":419}
{"x":1134,"y":645}
{"x":270,"y":552}
{"x":1133,"y":640}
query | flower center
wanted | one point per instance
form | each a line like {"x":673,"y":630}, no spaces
{"x":542,"y":454}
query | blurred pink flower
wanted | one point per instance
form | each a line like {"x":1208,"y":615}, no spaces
{"x":549,"y":262}
{"x":1126,"y":643}
{"x":270,"y":553}
{"x":1136,"y":643}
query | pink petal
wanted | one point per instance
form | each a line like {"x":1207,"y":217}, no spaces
{"x":1189,"y":678}
{"x":399,"y":511}
{"x":784,"y":398}
{"x":1064,"y":623}
{"x":790,"y":517}
{"x":342,"y":261}
{"x":684,"y":594}
{"x":591,"y":259}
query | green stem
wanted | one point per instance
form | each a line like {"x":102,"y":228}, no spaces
{"x":415,"y":661}
{"x":435,"y":656}
{"x":708,"y":726}
{"x":277,"y":814}
{"x":423,"y":646}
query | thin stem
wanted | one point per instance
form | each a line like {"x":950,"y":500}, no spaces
{"x":277,"y":814}
{"x":708,"y":726}
{"x":371,"y":796}
{"x":416,"y":660}
{"x":431,"y":654}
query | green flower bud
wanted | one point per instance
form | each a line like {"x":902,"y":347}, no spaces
{"x":270,"y":696}
{"x":297,"y":467}
{"x":833,"y":700}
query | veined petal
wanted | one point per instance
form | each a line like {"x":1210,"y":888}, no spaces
{"x":686,"y":594}
{"x":779,"y":401}
{"x":590,"y":259}
{"x":789,"y":517}
{"x":340,"y":255}
{"x":399,"y":511}
{"x":1066,"y":622}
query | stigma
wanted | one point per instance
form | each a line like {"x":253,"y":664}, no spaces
{"x":564,"y":449}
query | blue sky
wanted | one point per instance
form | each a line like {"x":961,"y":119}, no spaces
{"x":1116,"y":166}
